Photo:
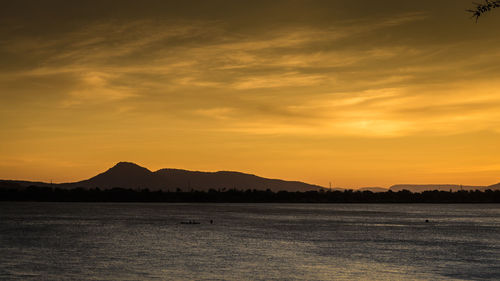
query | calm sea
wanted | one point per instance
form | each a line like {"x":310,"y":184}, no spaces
{"x":129,"y":241}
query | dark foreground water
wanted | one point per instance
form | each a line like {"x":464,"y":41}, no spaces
{"x":128,"y":241}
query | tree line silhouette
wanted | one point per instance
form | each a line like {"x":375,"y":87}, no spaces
{"x":49,"y":194}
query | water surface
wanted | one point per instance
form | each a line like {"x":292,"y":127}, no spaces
{"x":134,"y":241}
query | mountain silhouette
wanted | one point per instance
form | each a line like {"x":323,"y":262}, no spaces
{"x":133,"y":176}
{"x":494,"y":186}
{"x":440,"y":187}
{"x":130,"y":175}
{"x":123,"y":174}
{"x":373,"y":189}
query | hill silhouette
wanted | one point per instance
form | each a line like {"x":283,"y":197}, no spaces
{"x":130,"y":175}
{"x":373,"y":189}
{"x":494,"y":186}
{"x":440,"y":187}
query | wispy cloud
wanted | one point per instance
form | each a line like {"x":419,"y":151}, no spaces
{"x":322,"y":78}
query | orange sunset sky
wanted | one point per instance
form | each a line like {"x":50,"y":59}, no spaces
{"x":357,"y":93}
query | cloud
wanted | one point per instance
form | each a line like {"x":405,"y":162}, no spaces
{"x":337,"y":79}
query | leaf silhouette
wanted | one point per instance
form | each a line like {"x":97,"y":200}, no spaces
{"x":482,"y":8}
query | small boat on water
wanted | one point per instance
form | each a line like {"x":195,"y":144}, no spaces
{"x":190,"y":222}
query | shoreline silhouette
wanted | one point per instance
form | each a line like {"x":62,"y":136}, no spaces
{"x":49,"y":194}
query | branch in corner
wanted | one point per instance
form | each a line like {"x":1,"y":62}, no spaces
{"x":482,"y":8}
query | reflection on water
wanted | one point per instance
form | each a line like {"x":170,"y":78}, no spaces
{"x":128,"y":241}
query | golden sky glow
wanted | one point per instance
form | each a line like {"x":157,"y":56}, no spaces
{"x":359,"y":93}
